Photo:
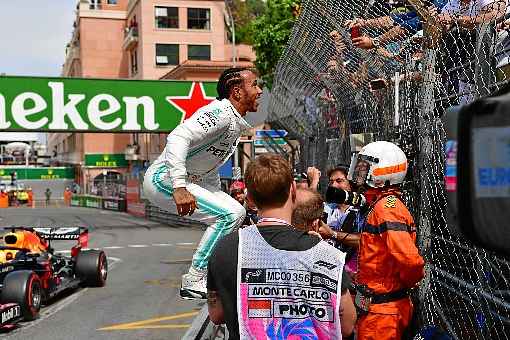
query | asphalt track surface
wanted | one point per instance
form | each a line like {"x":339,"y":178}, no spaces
{"x":141,"y":297}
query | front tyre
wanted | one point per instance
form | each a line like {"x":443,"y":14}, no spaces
{"x":24,"y":288}
{"x":92,"y":267}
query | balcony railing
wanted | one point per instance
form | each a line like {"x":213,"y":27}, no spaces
{"x":130,"y":37}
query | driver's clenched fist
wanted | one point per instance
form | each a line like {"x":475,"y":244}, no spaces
{"x":186,"y":203}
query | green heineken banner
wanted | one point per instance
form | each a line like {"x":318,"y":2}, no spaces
{"x":112,"y":160}
{"x":98,"y":105}
{"x":37,"y":173}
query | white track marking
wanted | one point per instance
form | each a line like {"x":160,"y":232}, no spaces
{"x":115,"y":261}
{"x":137,"y":222}
{"x":67,"y":251}
{"x":62,"y":251}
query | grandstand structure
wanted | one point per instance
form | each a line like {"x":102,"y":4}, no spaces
{"x":327,"y":91}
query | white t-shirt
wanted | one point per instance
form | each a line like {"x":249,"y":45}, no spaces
{"x":472,"y":9}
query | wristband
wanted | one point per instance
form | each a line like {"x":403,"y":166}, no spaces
{"x":347,"y":234}
{"x":376,"y":42}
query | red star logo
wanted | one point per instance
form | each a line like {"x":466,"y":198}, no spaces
{"x":189,"y":104}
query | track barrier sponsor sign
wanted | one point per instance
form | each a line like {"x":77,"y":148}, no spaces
{"x":98,"y":105}
{"x":37,"y":173}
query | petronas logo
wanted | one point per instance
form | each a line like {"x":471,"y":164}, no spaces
{"x":50,"y":172}
{"x":106,"y":158}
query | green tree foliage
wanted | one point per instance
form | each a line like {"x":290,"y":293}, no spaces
{"x":270,"y":34}
{"x":244,"y":13}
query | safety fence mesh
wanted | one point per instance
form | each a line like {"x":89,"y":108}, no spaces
{"x":327,"y":89}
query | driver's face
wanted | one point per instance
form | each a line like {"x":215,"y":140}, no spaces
{"x":251,"y":91}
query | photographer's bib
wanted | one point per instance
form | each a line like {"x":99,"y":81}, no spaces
{"x":285,"y":294}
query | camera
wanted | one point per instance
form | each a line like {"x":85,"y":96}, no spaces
{"x":477,"y":173}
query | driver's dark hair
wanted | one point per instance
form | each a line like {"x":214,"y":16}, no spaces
{"x":228,"y":79}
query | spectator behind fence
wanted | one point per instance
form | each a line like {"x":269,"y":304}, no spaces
{"x":459,"y":53}
{"x":396,"y":26}
{"x":462,"y":13}
{"x":276,"y":264}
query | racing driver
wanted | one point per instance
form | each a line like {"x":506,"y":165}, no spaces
{"x":185,"y":179}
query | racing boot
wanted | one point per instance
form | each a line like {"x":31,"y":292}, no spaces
{"x":194,"y":285}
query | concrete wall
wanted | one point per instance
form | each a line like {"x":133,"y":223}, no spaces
{"x":102,"y":55}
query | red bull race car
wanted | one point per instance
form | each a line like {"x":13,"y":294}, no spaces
{"x":10,"y":314}
{"x":31,"y":272}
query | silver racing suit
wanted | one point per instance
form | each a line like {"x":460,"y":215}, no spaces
{"x":194,"y":151}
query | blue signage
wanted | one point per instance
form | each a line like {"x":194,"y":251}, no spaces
{"x":226,"y":169}
{"x":271,"y":133}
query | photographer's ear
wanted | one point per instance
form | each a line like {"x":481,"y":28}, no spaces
{"x":293,"y":190}
{"x":316,"y":224}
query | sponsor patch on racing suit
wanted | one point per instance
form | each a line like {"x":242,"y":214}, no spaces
{"x":201,"y":144}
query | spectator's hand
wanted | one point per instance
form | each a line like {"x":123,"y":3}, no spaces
{"x":506,"y":24}
{"x":325,"y":231}
{"x":340,"y":46}
{"x":354,"y":23}
{"x":314,"y":176}
{"x":363,"y":42}
{"x":332,"y":65}
{"x":503,"y":25}
{"x":466,"y":22}
{"x":446,"y":20}
{"x":314,"y":233}
{"x":432,"y":11}
{"x":185,"y":201}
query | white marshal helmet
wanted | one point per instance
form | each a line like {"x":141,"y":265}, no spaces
{"x":378,"y":164}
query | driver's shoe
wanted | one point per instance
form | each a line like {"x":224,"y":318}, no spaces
{"x":194,"y":285}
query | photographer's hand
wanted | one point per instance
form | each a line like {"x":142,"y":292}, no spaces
{"x":314,"y":176}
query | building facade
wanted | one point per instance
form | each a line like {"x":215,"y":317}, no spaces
{"x":139,"y":39}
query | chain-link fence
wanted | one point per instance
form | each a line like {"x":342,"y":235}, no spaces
{"x":431,"y":56}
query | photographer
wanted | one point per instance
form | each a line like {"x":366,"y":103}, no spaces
{"x":284,"y":260}
{"x":342,"y":221}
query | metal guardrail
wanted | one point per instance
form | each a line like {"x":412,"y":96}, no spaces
{"x":203,"y":329}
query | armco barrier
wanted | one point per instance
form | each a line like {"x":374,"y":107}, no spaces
{"x":136,"y":208}
{"x":114,"y":204}
{"x":90,"y":201}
